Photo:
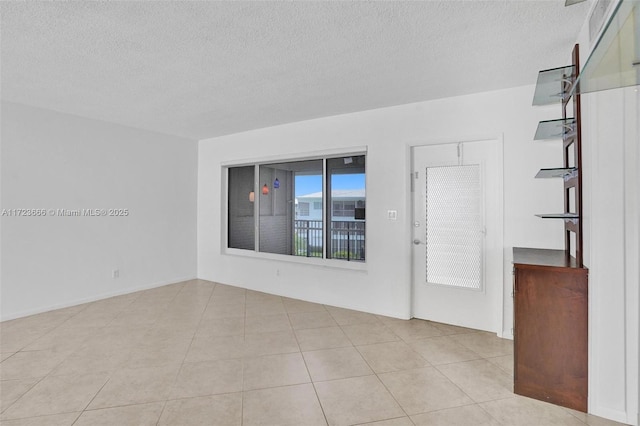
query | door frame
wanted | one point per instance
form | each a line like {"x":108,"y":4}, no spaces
{"x":501,"y":296}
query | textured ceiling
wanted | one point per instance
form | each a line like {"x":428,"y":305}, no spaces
{"x":203,"y":69}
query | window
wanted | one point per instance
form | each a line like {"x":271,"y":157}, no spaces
{"x":279,"y":208}
{"x":344,"y":208}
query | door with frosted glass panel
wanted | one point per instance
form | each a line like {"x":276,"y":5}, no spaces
{"x":457,"y":234}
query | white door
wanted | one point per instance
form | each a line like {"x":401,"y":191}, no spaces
{"x":457,"y":234}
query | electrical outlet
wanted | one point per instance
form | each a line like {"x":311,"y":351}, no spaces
{"x":115,"y":273}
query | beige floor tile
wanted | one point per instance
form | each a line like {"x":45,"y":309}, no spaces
{"x":54,"y":395}
{"x":289,"y":405}
{"x":222,"y":410}
{"x":390,"y":321}
{"x":261,"y":297}
{"x":45,"y":321}
{"x":338,"y":363}
{"x":137,"y":316}
{"x":88,"y":351}
{"x":271,"y":307}
{"x":121,"y":336}
{"x":479,"y":379}
{"x":448,"y":329}
{"x":414,"y":329}
{"x":293,"y":306}
{"x":350,"y":317}
{"x":139,"y":415}
{"x":221,"y":327}
{"x":62,"y":338}
{"x":94,"y":359}
{"x":423,"y":390}
{"x":458,"y":416}
{"x":66,"y":419}
{"x":367,"y":334}
{"x":179,"y":321}
{"x":357,"y":400}
{"x":224,"y":310}
{"x":521,"y":411}
{"x":218,"y":300}
{"x":28,"y":327}
{"x":391,"y":356}
{"x":31,"y":364}
{"x":267,"y":323}
{"x":210,"y":348}
{"x":279,"y":342}
{"x":11,"y":390}
{"x":311,"y":339}
{"x":505,"y":363}
{"x":15,"y":338}
{"x":275,"y":370}
{"x":400,"y":421}
{"x":166,"y":335}
{"x":485,"y":344}
{"x":136,"y":386}
{"x":228,"y":293}
{"x":592,"y":420}
{"x":253,"y":296}
{"x":208,"y":378}
{"x":88,"y":318}
{"x":302,"y":320}
{"x":158,"y":354}
{"x":443,"y":350}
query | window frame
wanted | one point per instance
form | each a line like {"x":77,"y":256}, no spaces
{"x":257,"y":162}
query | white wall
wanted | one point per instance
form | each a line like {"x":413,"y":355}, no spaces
{"x":58,"y":161}
{"x":384,"y":287}
{"x":611,"y":238}
{"x":611,"y":164}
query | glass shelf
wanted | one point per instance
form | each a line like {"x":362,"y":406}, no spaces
{"x":615,"y":60}
{"x":554,"y":129}
{"x":549,"y":88}
{"x":559,"y":216}
{"x":556,"y":173}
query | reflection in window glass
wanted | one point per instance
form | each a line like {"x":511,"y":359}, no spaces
{"x":240,"y":225}
{"x":308,"y":234}
{"x":346,"y":180}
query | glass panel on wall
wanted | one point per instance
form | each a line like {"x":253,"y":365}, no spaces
{"x":240,"y":226}
{"x":347,"y":199}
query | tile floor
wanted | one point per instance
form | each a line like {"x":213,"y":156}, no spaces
{"x":197,"y":352}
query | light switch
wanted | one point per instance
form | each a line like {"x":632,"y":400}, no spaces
{"x":392,"y":214}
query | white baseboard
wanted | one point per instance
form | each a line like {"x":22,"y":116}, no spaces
{"x":100,"y":296}
{"x":506,"y":334}
{"x":615,"y":415}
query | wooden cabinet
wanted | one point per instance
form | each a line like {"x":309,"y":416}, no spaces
{"x":550,"y":327}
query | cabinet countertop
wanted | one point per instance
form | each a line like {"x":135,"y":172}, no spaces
{"x":544,"y":257}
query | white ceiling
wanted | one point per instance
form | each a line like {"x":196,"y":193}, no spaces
{"x":203,"y":69}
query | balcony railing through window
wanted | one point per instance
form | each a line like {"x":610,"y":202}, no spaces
{"x":347,"y":239}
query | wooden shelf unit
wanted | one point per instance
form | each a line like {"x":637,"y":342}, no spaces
{"x":551,"y":286}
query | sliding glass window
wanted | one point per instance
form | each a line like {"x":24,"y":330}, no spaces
{"x":294,"y":217}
